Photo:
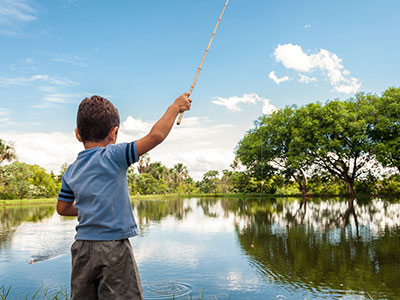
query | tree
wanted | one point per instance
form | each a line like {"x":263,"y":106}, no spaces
{"x":20,"y":180}
{"x":386,"y":128}
{"x":181,"y":171}
{"x":131,"y":178}
{"x":273,"y":146}
{"x":7,"y":151}
{"x":226,"y":181}
{"x":209,"y":183}
{"x":63,"y":169}
{"x":157,"y":170}
{"x":14,"y":180}
{"x":146,"y":184}
{"x":44,"y":184}
{"x":336,"y":137}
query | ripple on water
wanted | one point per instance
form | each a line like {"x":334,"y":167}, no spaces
{"x":165,"y":290}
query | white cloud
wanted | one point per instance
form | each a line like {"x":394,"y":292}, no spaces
{"x":350,"y":86}
{"x":267,"y":108}
{"x":13,"y":15}
{"x":306,"y":79}
{"x":60,"y":98}
{"x":232,"y":103}
{"x":22,"y":80}
{"x":49,"y":150}
{"x":307,"y":26}
{"x":135,"y":128}
{"x":277,"y":80}
{"x":197,"y":143}
{"x":70,"y":59}
{"x":47,"y":89}
{"x":293,"y":57}
{"x":16,"y":11}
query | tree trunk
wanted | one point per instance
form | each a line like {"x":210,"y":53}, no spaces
{"x":350,"y":187}
{"x":302,"y":185}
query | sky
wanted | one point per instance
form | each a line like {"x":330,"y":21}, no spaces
{"x":141,"y":55}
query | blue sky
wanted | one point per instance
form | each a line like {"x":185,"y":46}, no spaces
{"x":142,"y":54}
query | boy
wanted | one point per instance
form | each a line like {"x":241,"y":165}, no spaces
{"x":95,"y":189}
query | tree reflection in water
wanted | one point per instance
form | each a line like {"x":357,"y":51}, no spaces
{"x":321,"y":245}
{"x":326,"y":245}
{"x":11,"y":217}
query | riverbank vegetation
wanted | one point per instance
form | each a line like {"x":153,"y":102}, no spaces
{"x":336,"y":148}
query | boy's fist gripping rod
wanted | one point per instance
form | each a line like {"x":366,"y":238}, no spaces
{"x":204,"y":56}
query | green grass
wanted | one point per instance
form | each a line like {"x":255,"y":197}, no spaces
{"x":44,"y":201}
{"x":41,"y":294}
{"x":133,"y":198}
{"x":62,"y":294}
{"x":28,"y":201}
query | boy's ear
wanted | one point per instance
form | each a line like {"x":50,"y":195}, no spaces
{"x":113,"y":134}
{"x":78,"y":137}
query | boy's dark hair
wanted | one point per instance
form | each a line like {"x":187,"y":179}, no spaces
{"x":96,"y":116}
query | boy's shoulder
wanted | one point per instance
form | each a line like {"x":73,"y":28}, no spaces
{"x":122,"y":154}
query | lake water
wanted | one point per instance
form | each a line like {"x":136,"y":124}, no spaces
{"x":238,"y":249}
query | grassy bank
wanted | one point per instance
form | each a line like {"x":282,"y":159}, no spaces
{"x":182,"y":196}
{"x":133,"y":198}
{"x":28,"y":201}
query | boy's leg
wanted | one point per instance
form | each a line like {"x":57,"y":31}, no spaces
{"x":119,"y":274}
{"x":83,"y":283}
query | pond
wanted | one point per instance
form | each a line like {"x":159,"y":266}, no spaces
{"x":225,"y":248}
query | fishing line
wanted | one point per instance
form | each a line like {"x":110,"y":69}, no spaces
{"x":204,"y":56}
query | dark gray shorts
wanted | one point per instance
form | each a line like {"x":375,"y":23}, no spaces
{"x":104,"y":270}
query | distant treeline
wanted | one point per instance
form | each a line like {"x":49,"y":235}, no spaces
{"x":336,"y":148}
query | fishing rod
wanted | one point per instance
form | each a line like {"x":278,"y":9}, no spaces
{"x":204,"y":56}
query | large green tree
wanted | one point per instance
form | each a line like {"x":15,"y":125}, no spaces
{"x":386,"y":129}
{"x":335,"y":135}
{"x":274,"y":146}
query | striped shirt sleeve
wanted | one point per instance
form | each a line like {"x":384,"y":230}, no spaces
{"x":66,"y":194}
{"x":124,"y":154}
{"x":131,"y":155}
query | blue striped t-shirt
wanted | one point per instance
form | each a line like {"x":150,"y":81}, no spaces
{"x":97,"y":182}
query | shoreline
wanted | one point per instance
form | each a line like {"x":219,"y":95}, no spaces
{"x":47,"y":201}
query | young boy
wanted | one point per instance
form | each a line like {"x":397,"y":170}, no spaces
{"x":95,"y":189}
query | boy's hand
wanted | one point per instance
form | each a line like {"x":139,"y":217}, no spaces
{"x":163,"y":126}
{"x":183,"y":102}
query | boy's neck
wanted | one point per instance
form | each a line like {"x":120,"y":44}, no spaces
{"x":90,"y":144}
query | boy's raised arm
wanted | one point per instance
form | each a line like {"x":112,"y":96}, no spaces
{"x":163,"y":126}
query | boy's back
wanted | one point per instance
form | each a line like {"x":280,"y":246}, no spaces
{"x":97,"y":179}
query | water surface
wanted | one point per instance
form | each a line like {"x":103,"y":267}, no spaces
{"x":256,"y":249}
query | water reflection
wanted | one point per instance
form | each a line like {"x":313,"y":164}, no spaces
{"x":33,"y":234}
{"x":340,"y":245}
{"x":309,"y":248}
{"x":333,"y":245}
{"x":12,"y":217}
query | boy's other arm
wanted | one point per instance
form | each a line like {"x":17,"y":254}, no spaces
{"x":66,"y":208}
{"x":163,"y":126}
